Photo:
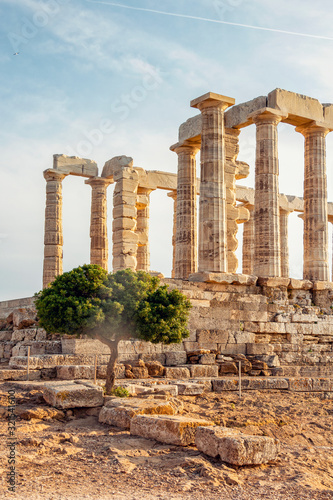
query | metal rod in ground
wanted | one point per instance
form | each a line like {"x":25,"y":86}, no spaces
{"x":240,"y":378}
{"x":95,"y":370}
{"x":28,"y":363}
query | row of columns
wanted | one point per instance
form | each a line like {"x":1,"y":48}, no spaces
{"x":269,"y":230}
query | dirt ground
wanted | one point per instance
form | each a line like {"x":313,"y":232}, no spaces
{"x":71,"y":456}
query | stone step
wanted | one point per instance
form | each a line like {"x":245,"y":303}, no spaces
{"x":53,"y":360}
{"x":19,"y":374}
{"x":37,"y":347}
{"x":167,"y":429}
{"x":294,"y":384}
{"x":119,"y":413}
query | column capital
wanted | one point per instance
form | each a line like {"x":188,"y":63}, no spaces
{"x":313,"y":127}
{"x":98,"y":181}
{"x":330,"y":218}
{"x":267,"y":115}
{"x":187,"y":147}
{"x":53,"y":175}
{"x":212,"y":100}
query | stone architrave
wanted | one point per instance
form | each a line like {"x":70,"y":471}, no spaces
{"x":125,"y":238}
{"x":248,"y":242}
{"x":315,"y":240}
{"x":186,"y":224}
{"x":142,"y":229}
{"x":99,"y":248}
{"x":266,"y":202}
{"x":53,"y":236}
{"x":284,"y":243}
{"x":173,"y":195}
{"x":212,"y":201}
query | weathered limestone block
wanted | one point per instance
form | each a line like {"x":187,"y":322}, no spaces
{"x":198,"y":371}
{"x":24,"y":317}
{"x":120,"y":413}
{"x":155,"y":368}
{"x":238,"y":115}
{"x":115,"y":164}
{"x":19,"y":375}
{"x":190,"y":389}
{"x":177,"y":373}
{"x":214,"y":336}
{"x":83,"y":346}
{"x":167,"y":429}
{"x":69,"y":395}
{"x":207,"y":359}
{"x":6,"y":335}
{"x":72,"y":165}
{"x":25,"y":334}
{"x":236,"y":448}
{"x":300,"y":108}
{"x":75,"y":372}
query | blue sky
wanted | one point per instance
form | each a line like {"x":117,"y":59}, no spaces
{"x":80,"y":63}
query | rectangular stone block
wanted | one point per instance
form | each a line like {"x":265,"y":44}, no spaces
{"x":272,"y":328}
{"x":214,"y":336}
{"x":83,"y":346}
{"x":236,"y":448}
{"x":175,"y":358}
{"x":69,"y":395}
{"x":177,"y":373}
{"x":198,"y":371}
{"x":190,"y":389}
{"x":254,"y":349}
{"x":5,"y":336}
{"x":207,"y":359}
{"x":232,"y":348}
{"x":175,"y":430}
{"x":120,"y":412}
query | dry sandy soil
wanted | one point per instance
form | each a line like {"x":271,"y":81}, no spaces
{"x":72,"y":456}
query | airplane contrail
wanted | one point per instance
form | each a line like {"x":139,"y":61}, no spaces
{"x":217,"y":21}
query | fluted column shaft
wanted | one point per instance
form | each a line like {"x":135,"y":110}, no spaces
{"x":248,"y":243}
{"x":315,"y":239}
{"x":266,"y":204}
{"x":212,"y":201}
{"x":284,"y":243}
{"x":142,"y":230}
{"x":53,"y":235}
{"x":99,"y":248}
{"x":173,"y":195}
{"x":186,"y":224}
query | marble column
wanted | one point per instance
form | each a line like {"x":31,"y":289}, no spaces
{"x":53,"y":235}
{"x":315,"y":240}
{"x":212,"y":201}
{"x":99,"y":248}
{"x":186,"y":225}
{"x":125,"y":239}
{"x":248,"y":242}
{"x":330,"y":219}
{"x":142,"y":230}
{"x":284,"y":243}
{"x":173,"y":195}
{"x":266,"y":200}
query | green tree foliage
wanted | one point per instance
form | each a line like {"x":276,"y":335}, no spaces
{"x":113,"y":307}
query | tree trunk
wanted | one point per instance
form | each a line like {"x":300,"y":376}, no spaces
{"x":110,"y":369}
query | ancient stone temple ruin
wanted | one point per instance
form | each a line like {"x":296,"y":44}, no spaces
{"x":282,"y":325}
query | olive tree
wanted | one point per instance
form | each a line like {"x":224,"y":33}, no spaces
{"x":113,"y":307}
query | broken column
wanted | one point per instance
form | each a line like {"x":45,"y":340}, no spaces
{"x":125,"y":239}
{"x":266,"y":204}
{"x":284,"y":243}
{"x":212,"y":202}
{"x":99,"y":249}
{"x":53,"y":236}
{"x":248,"y":242}
{"x":315,"y":240}
{"x":186,"y":215}
{"x":142,"y":229}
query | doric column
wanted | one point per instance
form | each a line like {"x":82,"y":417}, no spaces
{"x":186,"y":225}
{"x":212,"y":201}
{"x":284,"y":243}
{"x":173,"y":195}
{"x":53,"y":236}
{"x":315,"y":240}
{"x":99,"y":249}
{"x":248,"y":242}
{"x":266,"y":200}
{"x":125,"y":239}
{"x":330,"y":219}
{"x":142,"y":229}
